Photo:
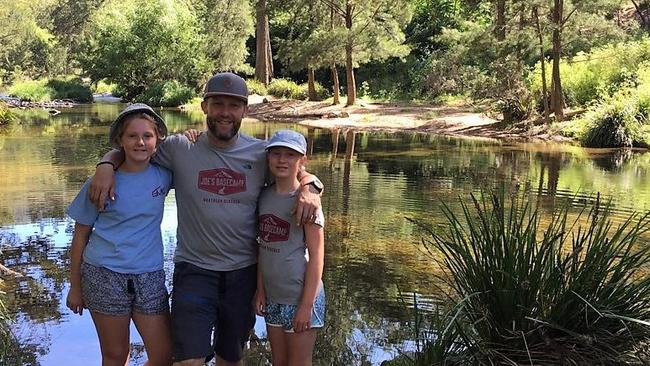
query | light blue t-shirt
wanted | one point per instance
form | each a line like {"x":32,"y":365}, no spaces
{"x":126,"y":236}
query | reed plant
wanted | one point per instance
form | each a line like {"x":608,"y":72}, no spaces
{"x":570,"y":292}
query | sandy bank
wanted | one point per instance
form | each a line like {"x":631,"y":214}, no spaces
{"x":451,"y":120}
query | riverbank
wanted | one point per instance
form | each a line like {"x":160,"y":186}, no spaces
{"x":452,"y":119}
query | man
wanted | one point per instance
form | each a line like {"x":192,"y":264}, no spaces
{"x":217,"y":180}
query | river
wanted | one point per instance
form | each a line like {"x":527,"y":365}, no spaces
{"x":376,"y":268}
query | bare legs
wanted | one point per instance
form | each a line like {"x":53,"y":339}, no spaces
{"x":113,"y":333}
{"x":291,"y":349}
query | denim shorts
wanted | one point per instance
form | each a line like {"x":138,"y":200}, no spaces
{"x":209,"y":303}
{"x":281,"y":315}
{"x":112,"y":293}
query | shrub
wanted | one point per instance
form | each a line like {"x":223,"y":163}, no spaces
{"x":567,"y":294}
{"x":166,"y":94}
{"x":614,"y":123}
{"x":6,"y":115}
{"x":283,"y":88}
{"x":321,"y":92}
{"x":101,"y":87}
{"x":256,"y":87}
{"x":32,"y":90}
{"x":72,"y":88}
{"x":596,"y":75}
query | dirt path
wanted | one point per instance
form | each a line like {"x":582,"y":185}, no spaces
{"x":453,"y":120}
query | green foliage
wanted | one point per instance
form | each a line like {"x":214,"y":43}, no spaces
{"x":223,"y":41}
{"x":71,"y":88}
{"x":593,"y":76}
{"x":429,"y":19}
{"x":284,"y":88}
{"x":44,"y":90}
{"x":28,"y":49}
{"x":6,"y":116}
{"x":567,"y":294}
{"x":615,"y":123}
{"x":102,"y":87}
{"x":143,"y":43}
{"x":256,"y":87}
{"x":166,"y":94}
{"x":321,"y":92}
{"x":32,"y":90}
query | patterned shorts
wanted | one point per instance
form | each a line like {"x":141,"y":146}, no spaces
{"x":281,"y":315}
{"x":113,"y":293}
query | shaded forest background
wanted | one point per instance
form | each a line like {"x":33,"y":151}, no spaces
{"x":524,"y":57}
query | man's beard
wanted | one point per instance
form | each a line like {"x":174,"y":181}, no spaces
{"x":212,"y":124}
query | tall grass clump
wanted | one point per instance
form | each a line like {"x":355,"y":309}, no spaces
{"x":614,"y":123}
{"x":256,"y":87}
{"x":32,"y":90}
{"x":283,"y":88}
{"x":45,"y":90}
{"x":570,"y":292}
{"x":6,"y":115}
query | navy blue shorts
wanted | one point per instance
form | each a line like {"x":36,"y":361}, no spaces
{"x":204,"y":302}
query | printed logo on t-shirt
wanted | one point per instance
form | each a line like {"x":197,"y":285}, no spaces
{"x":222,"y":181}
{"x":158,"y":191}
{"x":272,"y":228}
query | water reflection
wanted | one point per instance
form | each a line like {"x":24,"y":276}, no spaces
{"x":374,"y":267}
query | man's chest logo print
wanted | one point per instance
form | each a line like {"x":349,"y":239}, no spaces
{"x":222,"y":181}
{"x":272,"y":228}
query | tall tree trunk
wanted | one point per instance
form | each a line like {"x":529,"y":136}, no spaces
{"x":349,"y":70}
{"x":349,"y":65}
{"x":557,"y":99}
{"x":500,"y":26}
{"x":311,"y":87}
{"x":542,"y":59}
{"x":335,"y":88}
{"x":263,"y":66}
{"x":642,"y":17}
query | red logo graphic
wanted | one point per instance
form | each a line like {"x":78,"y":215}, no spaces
{"x":222,"y":181}
{"x":272,"y":228}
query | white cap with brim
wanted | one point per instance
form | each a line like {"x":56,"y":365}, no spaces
{"x":131,"y":109}
{"x":289,"y":139}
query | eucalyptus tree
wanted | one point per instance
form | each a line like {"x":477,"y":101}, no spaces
{"x":263,"y":53}
{"x":313,"y":41}
{"x":374,"y":30}
{"x":502,"y":39}
{"x":26,"y":44}
{"x":224,"y":27}
{"x":140,"y":43}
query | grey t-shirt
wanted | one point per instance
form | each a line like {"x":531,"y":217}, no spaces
{"x":283,"y":254}
{"x":216,"y":196}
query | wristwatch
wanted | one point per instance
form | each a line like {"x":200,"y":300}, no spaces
{"x":318,"y":185}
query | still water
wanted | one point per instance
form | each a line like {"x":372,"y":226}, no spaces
{"x":375,"y":270}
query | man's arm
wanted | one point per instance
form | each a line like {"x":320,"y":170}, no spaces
{"x":308,"y":201}
{"x":102,"y":184}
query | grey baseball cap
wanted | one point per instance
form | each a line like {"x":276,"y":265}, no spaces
{"x":129,"y":110}
{"x":226,"y":83}
{"x":288,"y":138}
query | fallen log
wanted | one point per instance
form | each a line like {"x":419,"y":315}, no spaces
{"x":9,"y":271}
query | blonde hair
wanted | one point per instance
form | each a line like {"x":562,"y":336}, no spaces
{"x":140,"y":115}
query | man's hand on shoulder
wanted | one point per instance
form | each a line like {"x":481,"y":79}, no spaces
{"x":308,"y":202}
{"x":192,"y":134}
{"x":102,"y":186}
